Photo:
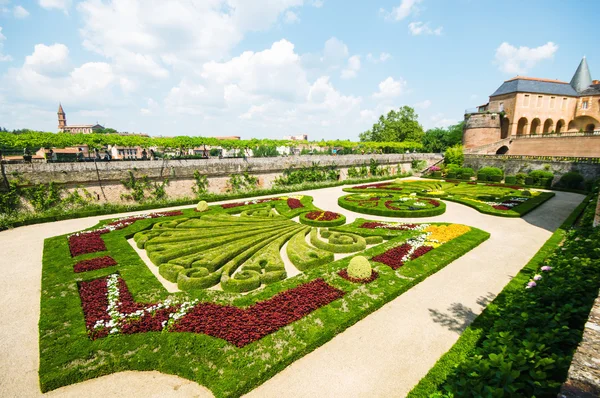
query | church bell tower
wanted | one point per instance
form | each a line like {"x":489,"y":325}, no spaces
{"x":62,"y":118}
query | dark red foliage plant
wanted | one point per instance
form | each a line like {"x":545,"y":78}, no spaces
{"x":94,"y":264}
{"x":393,"y":257}
{"x":402,"y":227}
{"x":87,"y":242}
{"x":294,"y":203}
{"x":322,"y":215}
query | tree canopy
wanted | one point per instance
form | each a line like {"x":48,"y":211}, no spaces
{"x":439,"y":139}
{"x":397,"y":126}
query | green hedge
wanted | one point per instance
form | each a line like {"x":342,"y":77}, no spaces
{"x":486,"y":173}
{"x":517,"y":211}
{"x":381,"y":210}
{"x":335,"y":244}
{"x":497,"y":344}
{"x":305,"y":257}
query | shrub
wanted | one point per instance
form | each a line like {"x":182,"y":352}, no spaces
{"x":495,"y":178}
{"x":436,"y":174}
{"x":520,"y":177}
{"x":510,"y":180}
{"x":359,"y":268}
{"x":202,"y":206}
{"x":572,"y":180}
{"x":454,"y":155}
{"x":451,"y":175}
{"x":485,"y":173}
{"x":529,"y":180}
{"x":542,"y":177}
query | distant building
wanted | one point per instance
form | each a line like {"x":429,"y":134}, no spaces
{"x":125,"y":152}
{"x":74,"y":128}
{"x":300,"y":137}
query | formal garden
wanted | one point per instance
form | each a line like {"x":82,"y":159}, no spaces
{"x":260,"y":283}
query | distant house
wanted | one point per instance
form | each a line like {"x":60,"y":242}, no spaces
{"x":125,"y":152}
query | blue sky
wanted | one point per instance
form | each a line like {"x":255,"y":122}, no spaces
{"x":267,"y":68}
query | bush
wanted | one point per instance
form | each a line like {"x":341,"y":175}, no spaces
{"x":572,"y":180}
{"x":454,"y":155}
{"x":451,"y":175}
{"x":541,"y":177}
{"x":528,"y":180}
{"x":520,"y":177}
{"x":495,"y":178}
{"x":359,"y":268}
{"x":202,"y":206}
{"x":436,"y":174}
{"x":465,"y":173}
{"x":510,"y":180}
{"x":485,"y":173}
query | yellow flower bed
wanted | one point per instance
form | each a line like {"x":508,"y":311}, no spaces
{"x":436,"y":192}
{"x":445,"y":233}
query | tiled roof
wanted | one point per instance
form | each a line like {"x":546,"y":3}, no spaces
{"x":594,"y":89}
{"x":528,"y":85}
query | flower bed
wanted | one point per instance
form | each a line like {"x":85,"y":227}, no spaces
{"x":397,"y":256}
{"x":248,"y":202}
{"x":344,"y":274}
{"x":109,"y":308}
{"x":94,"y":264}
{"x":321,"y":218}
{"x":294,"y":203}
{"x":393,"y":205}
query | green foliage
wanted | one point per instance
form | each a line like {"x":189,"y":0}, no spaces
{"x":242,"y":182}
{"x":200,"y":186}
{"x":10,"y":199}
{"x":396,"y":126}
{"x":572,"y":180}
{"x":265,"y":151}
{"x":415,"y":207}
{"x":202,"y":206}
{"x":139,"y":186}
{"x":520,"y":178}
{"x":339,"y":242}
{"x":304,"y":256}
{"x":313,"y":173}
{"x":522,"y":344}
{"x":454,"y":155}
{"x":485,"y":173}
{"x":510,"y":180}
{"x":358,"y":172}
{"x":439,"y":140}
{"x":418,"y":164}
{"x":341,"y":220}
{"x":359,"y":267}
{"x":541,"y":178}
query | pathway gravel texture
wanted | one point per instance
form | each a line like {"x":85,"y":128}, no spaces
{"x":384,"y":355}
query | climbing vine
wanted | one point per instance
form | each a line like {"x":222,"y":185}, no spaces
{"x":139,"y":186}
{"x":242,"y":182}
{"x":200,"y":183}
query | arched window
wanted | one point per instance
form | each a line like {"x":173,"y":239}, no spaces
{"x":548,"y":126}
{"x":535,"y":126}
{"x":522,"y":126}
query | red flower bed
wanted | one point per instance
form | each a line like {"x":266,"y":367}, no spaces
{"x":87,"y":242}
{"x":294,"y":203}
{"x":94,"y":264}
{"x":94,"y":301}
{"x":122,"y":223}
{"x":239,"y":326}
{"x":472,"y":182}
{"x":419,"y":251}
{"x":373,"y":225}
{"x":501,"y":207}
{"x":238,"y":204}
{"x":344,"y":274}
{"x":322,"y":215}
{"x":453,"y":181}
{"x":393,"y":257}
{"x":379,"y":185}
{"x":434,"y":202}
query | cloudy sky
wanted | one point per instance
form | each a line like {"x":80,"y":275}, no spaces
{"x":269,"y":68}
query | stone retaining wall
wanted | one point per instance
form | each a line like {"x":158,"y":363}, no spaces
{"x":103,"y":179}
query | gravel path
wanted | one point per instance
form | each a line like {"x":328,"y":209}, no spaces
{"x":385,"y":354}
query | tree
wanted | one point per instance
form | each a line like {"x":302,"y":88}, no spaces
{"x":396,"y":126}
{"x":439,"y":139}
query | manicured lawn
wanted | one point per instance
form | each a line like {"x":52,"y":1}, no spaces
{"x":111,"y":317}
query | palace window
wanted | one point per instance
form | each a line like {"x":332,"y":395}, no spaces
{"x":563,"y":106}
{"x":540,"y":98}
{"x":526,"y":100}
{"x":584,"y":105}
{"x":552,"y":102}
{"x":501,"y":107}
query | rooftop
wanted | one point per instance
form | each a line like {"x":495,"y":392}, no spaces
{"x":532,"y":85}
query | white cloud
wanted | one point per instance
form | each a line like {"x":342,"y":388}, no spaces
{"x":511,"y":59}
{"x":291,"y":17}
{"x":2,"y":56}
{"x":406,"y":8}
{"x":352,"y":68}
{"x":53,"y":59}
{"x":152,"y":106}
{"x":439,"y":120}
{"x":317,"y":3}
{"x":421,"y":28}
{"x":423,"y":104}
{"x":192,"y":99}
{"x":63,"y":5}
{"x":382,"y":57}
{"x":20,"y":12}
{"x":390,"y":88}
{"x":335,"y":51}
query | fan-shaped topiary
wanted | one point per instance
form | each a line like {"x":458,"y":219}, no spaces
{"x":359,"y":268}
{"x":202,"y":206}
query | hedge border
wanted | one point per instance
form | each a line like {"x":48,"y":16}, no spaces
{"x":341,"y":220}
{"x":375,"y":211}
{"x":515,"y":212}
{"x":437,"y":375}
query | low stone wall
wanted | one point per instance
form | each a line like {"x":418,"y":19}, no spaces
{"x":103,"y":179}
{"x":590,"y":171}
{"x":556,"y":146}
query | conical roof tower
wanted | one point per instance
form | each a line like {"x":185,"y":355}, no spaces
{"x":582,"y":78}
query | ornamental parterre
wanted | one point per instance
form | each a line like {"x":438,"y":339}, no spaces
{"x":109,"y":308}
{"x":94,"y":264}
{"x":322,"y":215}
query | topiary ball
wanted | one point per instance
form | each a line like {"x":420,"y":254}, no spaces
{"x":202,"y":206}
{"x":359,"y":268}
